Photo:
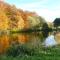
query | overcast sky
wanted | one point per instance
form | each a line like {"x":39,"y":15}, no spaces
{"x":49,"y":9}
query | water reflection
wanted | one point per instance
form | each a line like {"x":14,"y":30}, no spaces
{"x":31,"y":39}
{"x":53,"y":39}
{"x":4,"y":42}
{"x":50,"y":41}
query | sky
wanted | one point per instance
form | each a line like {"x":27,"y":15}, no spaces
{"x":48,"y":9}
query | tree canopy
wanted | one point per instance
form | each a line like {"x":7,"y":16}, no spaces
{"x":14,"y":18}
{"x":56,"y":22}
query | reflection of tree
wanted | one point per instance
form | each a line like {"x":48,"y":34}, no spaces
{"x":45,"y":30}
{"x":4,"y":43}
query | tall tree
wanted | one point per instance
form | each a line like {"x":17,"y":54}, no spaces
{"x":56,"y":22}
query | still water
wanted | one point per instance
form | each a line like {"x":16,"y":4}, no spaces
{"x":32,"y":40}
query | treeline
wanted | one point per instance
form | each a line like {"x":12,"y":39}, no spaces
{"x":12,"y":18}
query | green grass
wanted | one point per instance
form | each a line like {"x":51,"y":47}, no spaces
{"x":51,"y":53}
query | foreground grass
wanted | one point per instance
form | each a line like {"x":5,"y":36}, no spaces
{"x":51,"y":53}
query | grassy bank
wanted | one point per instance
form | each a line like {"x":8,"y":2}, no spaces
{"x":51,"y":53}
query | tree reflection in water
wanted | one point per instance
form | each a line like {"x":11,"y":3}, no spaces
{"x":31,"y":40}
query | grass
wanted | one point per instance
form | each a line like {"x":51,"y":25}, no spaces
{"x":51,"y":53}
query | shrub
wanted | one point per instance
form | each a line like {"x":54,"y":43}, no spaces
{"x":19,"y":50}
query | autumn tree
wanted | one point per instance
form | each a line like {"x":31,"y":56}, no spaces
{"x":3,"y":21}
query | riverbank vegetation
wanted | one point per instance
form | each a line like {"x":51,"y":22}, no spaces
{"x":51,"y":53}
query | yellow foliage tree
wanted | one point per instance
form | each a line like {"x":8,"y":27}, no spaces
{"x":3,"y":21}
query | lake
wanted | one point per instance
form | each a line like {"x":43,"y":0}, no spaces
{"x":31,"y":40}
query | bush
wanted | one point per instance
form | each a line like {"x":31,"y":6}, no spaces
{"x":19,"y":50}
